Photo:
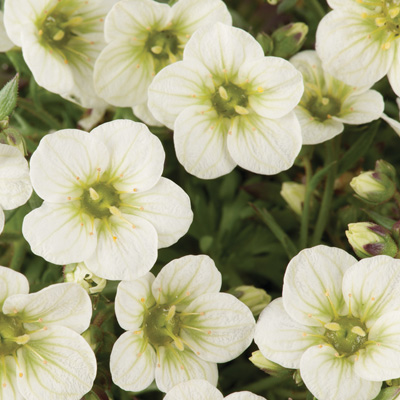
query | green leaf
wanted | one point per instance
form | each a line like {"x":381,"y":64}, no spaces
{"x":389,"y":393}
{"x":8,"y":97}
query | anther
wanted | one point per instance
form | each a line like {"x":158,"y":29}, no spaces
{"x":156,"y":49}
{"x":223,"y":93}
{"x":325,"y":101}
{"x":93,"y":194}
{"x":114,"y":211}
{"x":241,"y":110}
{"x":332,"y":326}
{"x":260,"y":89}
{"x":358,"y":331}
{"x":394,"y":12}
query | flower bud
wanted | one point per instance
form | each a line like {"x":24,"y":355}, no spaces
{"x":373,"y":187}
{"x":267,"y":366}
{"x":273,"y":2}
{"x":294,"y":194}
{"x":266,"y":43}
{"x":383,"y":167}
{"x":297,"y":378}
{"x":254,"y":298}
{"x":12,"y":137}
{"x":369,"y":239}
{"x":288,"y":39}
{"x":79,"y":274}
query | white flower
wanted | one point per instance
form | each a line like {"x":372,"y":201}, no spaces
{"x":358,"y":42}
{"x":105,"y":201}
{"x":395,"y":125}
{"x":229,"y":105}
{"x":178,"y":326}
{"x":60,"y":42}
{"x":15,"y":185}
{"x":5,"y":42}
{"x":199,"y":389}
{"x":328,"y":103}
{"x":79,"y":274}
{"x":42,"y":355}
{"x":294,"y":194}
{"x":143,"y":37}
{"x":338,"y":321}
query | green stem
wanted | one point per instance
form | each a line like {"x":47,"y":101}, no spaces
{"x":10,"y":236}
{"x":331,"y":156}
{"x":20,"y":249}
{"x":42,"y":115}
{"x":264,"y":384}
{"x":318,"y":9}
{"x":396,"y":198}
{"x":306,"y":206}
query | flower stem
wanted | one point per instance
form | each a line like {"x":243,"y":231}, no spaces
{"x":267,"y":383}
{"x":306,"y":206}
{"x":318,"y":9}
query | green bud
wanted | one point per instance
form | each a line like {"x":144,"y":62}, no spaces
{"x":79,"y":274}
{"x":288,"y":39}
{"x":369,"y":239}
{"x":266,"y":43}
{"x":383,"y":167}
{"x":254,"y":298}
{"x":297,"y":378}
{"x":273,"y":2}
{"x":14,"y":138}
{"x":294,"y":194}
{"x":267,"y":366}
{"x":374,"y":187}
{"x":393,"y":382}
{"x":4,"y":123}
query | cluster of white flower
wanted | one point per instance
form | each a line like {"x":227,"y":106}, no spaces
{"x":107,"y":210}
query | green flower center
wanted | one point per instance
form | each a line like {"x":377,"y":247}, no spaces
{"x":162,"y":325}
{"x":98,"y":199}
{"x":323,"y":108}
{"x":12,"y":334}
{"x":230,"y":100}
{"x":346,"y":334}
{"x":56,"y":29}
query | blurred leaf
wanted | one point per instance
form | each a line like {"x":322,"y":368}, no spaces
{"x":380,"y":219}
{"x":8,"y":97}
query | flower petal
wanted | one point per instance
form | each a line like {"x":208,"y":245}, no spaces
{"x":374,"y":285}
{"x":179,"y":85}
{"x":381,"y":360}
{"x":395,"y":125}
{"x":328,"y":377}
{"x":5,"y":42}
{"x":183,"y":280}
{"x":132,"y":362}
{"x":132,"y":300}
{"x":244,"y":396}
{"x":280,"y":338}
{"x":2,"y":220}
{"x":277,"y":86}
{"x":11,"y":283}
{"x":394,"y":72}
{"x":265,"y":146}
{"x":222,"y":49}
{"x":312,"y":276}
{"x":60,"y":233}
{"x":66,"y":304}
{"x":56,"y":363}
{"x":180,"y":366}
{"x":348,"y":51}
{"x":63,"y":160}
{"x":200,"y":140}
{"x":144,"y":114}
{"x":166,"y":206}
{"x":8,"y":380}
{"x":126,"y":248}
{"x":223,"y":327}
{"x":314,"y":131}
{"x":136,"y":155}
{"x":195,"y":389}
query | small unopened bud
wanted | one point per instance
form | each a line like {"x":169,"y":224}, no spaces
{"x":288,"y":39}
{"x":375,"y":187}
{"x":266,"y":43}
{"x":4,"y":123}
{"x":383,"y":167}
{"x":294,"y":194}
{"x":267,"y":366}
{"x":297,"y":378}
{"x":12,"y":137}
{"x":254,"y":298}
{"x":79,"y":274}
{"x":369,"y":239}
{"x":273,"y":2}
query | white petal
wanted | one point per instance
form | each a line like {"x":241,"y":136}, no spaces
{"x":328,"y":377}
{"x":2,"y":220}
{"x":15,"y":185}
{"x":346,"y":51}
{"x":222,"y":47}
{"x":311,"y":276}
{"x":346,"y":4}
{"x":66,"y":304}
{"x":394,"y":71}
{"x":195,"y":389}
{"x":362,"y":108}
{"x":143,"y":113}
{"x":277,"y":86}
{"x":180,"y":366}
{"x":224,"y":327}
{"x":123,"y":72}
{"x":244,"y":396}
{"x":56,"y":364}
{"x":60,"y":233}
{"x":265,"y":146}
{"x":5,"y":42}
{"x":280,"y":338}
{"x":136,"y":155}
{"x":314,"y":131}
{"x":8,"y":380}
{"x":126,"y":249}
{"x":63,"y":160}
{"x":381,"y":360}
{"x":200,"y":140}
{"x":132,"y":362}
{"x":309,"y":64}
{"x":131,"y":18}
{"x":395,"y":125}
{"x":179,"y":85}
{"x":133,"y":299}
{"x":183,"y":280}
{"x":92,"y":118}
{"x":11,"y":283}
{"x":190,"y":15}
{"x":166,"y":206}
{"x":374,"y":285}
